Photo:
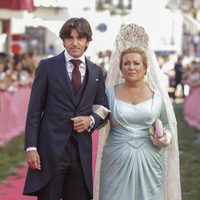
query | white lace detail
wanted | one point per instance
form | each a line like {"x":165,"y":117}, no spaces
{"x":131,"y":36}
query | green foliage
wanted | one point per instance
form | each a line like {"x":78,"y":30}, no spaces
{"x":11,"y":157}
{"x":189,"y":158}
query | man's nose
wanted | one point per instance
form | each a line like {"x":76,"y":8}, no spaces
{"x":75,"y":42}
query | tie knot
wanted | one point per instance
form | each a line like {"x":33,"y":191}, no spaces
{"x":76,"y":63}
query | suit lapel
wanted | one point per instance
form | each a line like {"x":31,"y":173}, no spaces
{"x":62,"y":76}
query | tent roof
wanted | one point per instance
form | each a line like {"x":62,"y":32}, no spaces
{"x":17,"y":5}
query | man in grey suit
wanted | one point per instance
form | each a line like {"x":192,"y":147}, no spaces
{"x":60,"y":119}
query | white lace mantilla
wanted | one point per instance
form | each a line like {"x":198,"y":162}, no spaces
{"x":130,"y":36}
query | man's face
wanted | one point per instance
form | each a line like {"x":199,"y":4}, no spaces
{"x":75,"y":45}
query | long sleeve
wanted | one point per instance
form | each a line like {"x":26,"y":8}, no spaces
{"x":36,"y":106}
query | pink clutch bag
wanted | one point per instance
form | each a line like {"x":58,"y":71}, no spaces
{"x":160,"y":137}
{"x":158,"y":128}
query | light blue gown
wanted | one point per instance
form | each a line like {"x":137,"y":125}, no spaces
{"x":132,"y":167}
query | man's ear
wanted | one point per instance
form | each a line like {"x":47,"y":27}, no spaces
{"x":86,"y":45}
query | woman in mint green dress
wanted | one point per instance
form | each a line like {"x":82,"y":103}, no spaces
{"x":132,"y":167}
{"x":135,"y":163}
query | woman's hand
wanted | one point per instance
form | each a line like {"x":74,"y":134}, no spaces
{"x":163,"y":141}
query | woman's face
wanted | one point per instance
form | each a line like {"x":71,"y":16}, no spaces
{"x":133,"y":69}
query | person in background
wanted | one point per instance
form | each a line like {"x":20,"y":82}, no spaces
{"x":4,"y":81}
{"x":60,"y":119}
{"x":178,"y":67}
{"x":191,"y":103}
{"x":51,"y":50}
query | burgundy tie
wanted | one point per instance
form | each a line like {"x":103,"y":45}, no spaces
{"x":76,"y":75}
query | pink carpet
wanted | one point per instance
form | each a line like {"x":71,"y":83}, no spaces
{"x":13,"y":109}
{"x":12,"y":188}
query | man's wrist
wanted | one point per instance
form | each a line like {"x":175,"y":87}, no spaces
{"x":92,"y":123}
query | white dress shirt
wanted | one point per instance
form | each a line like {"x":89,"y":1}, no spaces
{"x":70,"y":66}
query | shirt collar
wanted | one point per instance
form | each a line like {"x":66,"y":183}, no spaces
{"x":68,"y":57}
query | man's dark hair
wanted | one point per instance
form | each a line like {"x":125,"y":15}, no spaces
{"x":80,"y":24}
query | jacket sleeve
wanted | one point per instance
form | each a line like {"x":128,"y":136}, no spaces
{"x":36,"y":105}
{"x":100,"y":99}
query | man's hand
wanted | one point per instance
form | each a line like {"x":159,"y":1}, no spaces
{"x":33,"y":159}
{"x":81,"y":123}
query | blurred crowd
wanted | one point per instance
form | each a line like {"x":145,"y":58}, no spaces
{"x":181,"y":72}
{"x":103,"y":58}
{"x":191,"y":75}
{"x":187,"y":75}
{"x":17,"y":70}
{"x":191,"y":44}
